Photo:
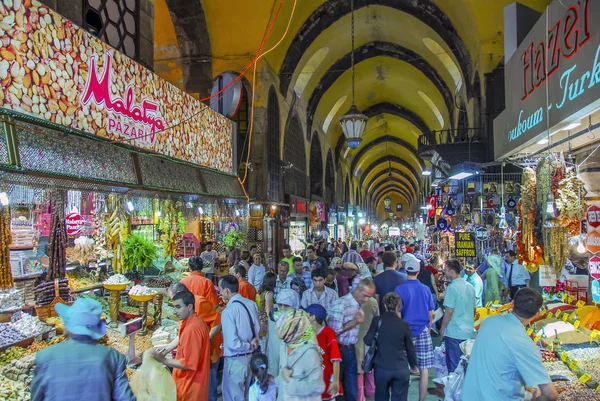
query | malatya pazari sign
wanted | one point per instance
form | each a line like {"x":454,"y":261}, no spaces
{"x":56,"y":71}
{"x":553,"y":76}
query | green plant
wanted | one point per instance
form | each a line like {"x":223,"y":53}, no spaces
{"x":138,"y":252}
{"x":234,"y":238}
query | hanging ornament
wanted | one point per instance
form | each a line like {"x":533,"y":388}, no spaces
{"x":511,"y":204}
{"x":442,"y":224}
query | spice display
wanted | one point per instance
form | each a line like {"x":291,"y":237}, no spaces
{"x":80,"y":278}
{"x":571,"y":202}
{"x":57,"y":245}
{"x":130,"y":310}
{"x":46,"y":292}
{"x":141,"y":290}
{"x":12,"y":353}
{"x":160,"y":283}
{"x":40,"y":345}
{"x":13,"y":391}
{"x":116,"y":232}
{"x":548,"y":356}
{"x":9,"y":335}
{"x":6,"y":277}
{"x":11,"y":299}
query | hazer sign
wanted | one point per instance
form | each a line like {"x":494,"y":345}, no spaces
{"x":553,"y":78}
{"x":98,"y":90}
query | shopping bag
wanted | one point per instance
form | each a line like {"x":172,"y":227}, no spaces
{"x":453,"y":383}
{"x":152,"y":381}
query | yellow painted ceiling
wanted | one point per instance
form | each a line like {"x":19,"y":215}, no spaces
{"x":395,"y":198}
{"x":388,"y":149}
{"x":400,"y":180}
{"x":382,"y":167}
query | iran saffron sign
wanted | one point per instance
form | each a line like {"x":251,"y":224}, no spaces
{"x":56,"y":71}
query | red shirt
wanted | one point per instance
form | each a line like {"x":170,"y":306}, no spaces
{"x":193,"y":352}
{"x":365,"y":253}
{"x":331,"y":353}
{"x":432,"y":269}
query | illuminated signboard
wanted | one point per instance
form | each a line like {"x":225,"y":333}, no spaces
{"x":553,"y":76}
{"x":465,"y":245}
{"x":56,"y":71}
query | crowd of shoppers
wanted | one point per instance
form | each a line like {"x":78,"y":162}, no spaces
{"x":301,"y":331}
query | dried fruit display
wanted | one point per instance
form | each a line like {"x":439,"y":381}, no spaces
{"x":57,"y":245}
{"x":13,"y":391}
{"x":116,"y":232}
{"x":529,"y":251}
{"x":6,"y":278}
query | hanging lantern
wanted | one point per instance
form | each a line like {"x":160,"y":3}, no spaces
{"x":353,"y":124}
{"x":387,"y":202}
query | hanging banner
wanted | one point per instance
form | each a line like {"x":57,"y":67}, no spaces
{"x":594,"y":267}
{"x":465,"y":245}
{"x":53,"y":70}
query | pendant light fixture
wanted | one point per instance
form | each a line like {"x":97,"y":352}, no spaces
{"x":353,"y":122}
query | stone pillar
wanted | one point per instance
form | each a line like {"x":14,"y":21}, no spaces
{"x":146,"y":31}
{"x":257,"y":181}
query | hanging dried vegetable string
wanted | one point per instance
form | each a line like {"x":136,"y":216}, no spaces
{"x":556,"y":247}
{"x":528,"y":249}
{"x":571,"y":202}
{"x":57,"y":244}
{"x":6,"y":278}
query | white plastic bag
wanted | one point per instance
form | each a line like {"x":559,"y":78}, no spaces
{"x":453,"y":383}
{"x":439,"y":361}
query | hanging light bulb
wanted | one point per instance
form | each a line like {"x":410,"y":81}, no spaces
{"x":581,"y":247}
{"x":200,"y":210}
{"x":4,"y":199}
{"x":130,"y":206}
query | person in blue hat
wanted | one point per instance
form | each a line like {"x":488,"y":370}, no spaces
{"x":80,"y":368}
{"x":331,"y":351}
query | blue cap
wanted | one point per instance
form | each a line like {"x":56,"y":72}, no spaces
{"x":317,"y":310}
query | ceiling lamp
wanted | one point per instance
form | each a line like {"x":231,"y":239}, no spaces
{"x":353,"y":122}
{"x":463,"y":170}
{"x":387,"y":202}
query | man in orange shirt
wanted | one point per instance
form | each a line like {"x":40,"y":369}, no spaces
{"x":199,"y":285}
{"x":245,"y":288}
{"x":205,"y":310}
{"x":191,"y":366}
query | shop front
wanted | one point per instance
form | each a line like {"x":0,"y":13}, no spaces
{"x":106,"y":170}
{"x":298,"y":225}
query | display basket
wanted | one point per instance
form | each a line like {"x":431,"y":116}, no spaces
{"x":142,"y":298}
{"x":46,"y":311}
{"x":116,"y":287}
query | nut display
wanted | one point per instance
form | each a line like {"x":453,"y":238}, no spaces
{"x":160,"y":283}
{"x":13,"y":391}
{"x":29,"y":326}
{"x":20,"y":370}
{"x":12,"y":353}
{"x":11,"y":299}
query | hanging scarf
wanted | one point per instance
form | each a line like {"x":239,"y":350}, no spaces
{"x":294,"y":328}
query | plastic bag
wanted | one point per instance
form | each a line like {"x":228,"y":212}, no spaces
{"x":439,"y":361}
{"x":152,"y":381}
{"x":453,"y":383}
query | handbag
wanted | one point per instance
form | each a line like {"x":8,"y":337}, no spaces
{"x":257,"y":350}
{"x":369,"y":361}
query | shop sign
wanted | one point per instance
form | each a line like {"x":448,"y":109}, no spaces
{"x":482,"y":234}
{"x":594,"y":267}
{"x":394,"y":232}
{"x":596,"y":291}
{"x":64,"y":75}
{"x":298,"y":206}
{"x":465,"y":245}
{"x":554,"y":75}
{"x":592,"y":242}
{"x":593,"y":216}
{"x":76,"y":224}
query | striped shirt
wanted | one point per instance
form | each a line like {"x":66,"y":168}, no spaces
{"x":341,"y":312}
{"x":327,"y":298}
{"x":352,"y":256}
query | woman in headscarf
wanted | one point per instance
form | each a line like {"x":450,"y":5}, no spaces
{"x":493,"y":291}
{"x":301,"y":377}
{"x":285,"y":300}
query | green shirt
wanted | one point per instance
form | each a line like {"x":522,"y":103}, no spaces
{"x":290,"y":261}
{"x":460,"y":296}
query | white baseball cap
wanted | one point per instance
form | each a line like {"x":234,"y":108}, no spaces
{"x":413,"y":265}
{"x":408,"y":257}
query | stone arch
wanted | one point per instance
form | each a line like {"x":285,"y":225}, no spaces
{"x":273,"y":147}
{"x":194,"y":45}
{"x":316,"y":166}
{"x":294,"y":152}
{"x":330,"y":183}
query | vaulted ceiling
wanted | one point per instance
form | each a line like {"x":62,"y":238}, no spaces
{"x":415,"y":61}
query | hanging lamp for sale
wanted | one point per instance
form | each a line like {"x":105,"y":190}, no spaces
{"x":353,"y":122}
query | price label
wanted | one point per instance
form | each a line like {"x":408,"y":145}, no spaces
{"x":585,"y":378}
{"x":16,"y":316}
{"x":496,"y":302}
{"x":580,"y":304}
{"x":563,"y":298}
{"x":537,"y":338}
{"x":565,"y":317}
{"x":558,"y":312}
{"x":593,"y":334}
{"x":576,"y":324}
{"x":564,"y":356}
{"x":488,"y":304}
{"x":570,"y":299}
{"x":550,"y":315}
{"x":529,"y":331}
{"x":573,"y":365}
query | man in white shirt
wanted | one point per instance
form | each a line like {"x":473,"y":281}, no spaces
{"x":209,"y":256}
{"x":516,"y":276}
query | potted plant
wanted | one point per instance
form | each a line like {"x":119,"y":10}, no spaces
{"x":139,"y":252}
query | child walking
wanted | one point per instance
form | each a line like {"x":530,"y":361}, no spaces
{"x":264,"y":387}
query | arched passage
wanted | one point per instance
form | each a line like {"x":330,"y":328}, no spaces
{"x":316,"y":167}
{"x":295,"y":153}
{"x":329,"y":180}
{"x":273,"y":147}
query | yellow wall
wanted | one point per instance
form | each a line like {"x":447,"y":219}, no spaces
{"x":396,"y":198}
{"x":167,"y":61}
